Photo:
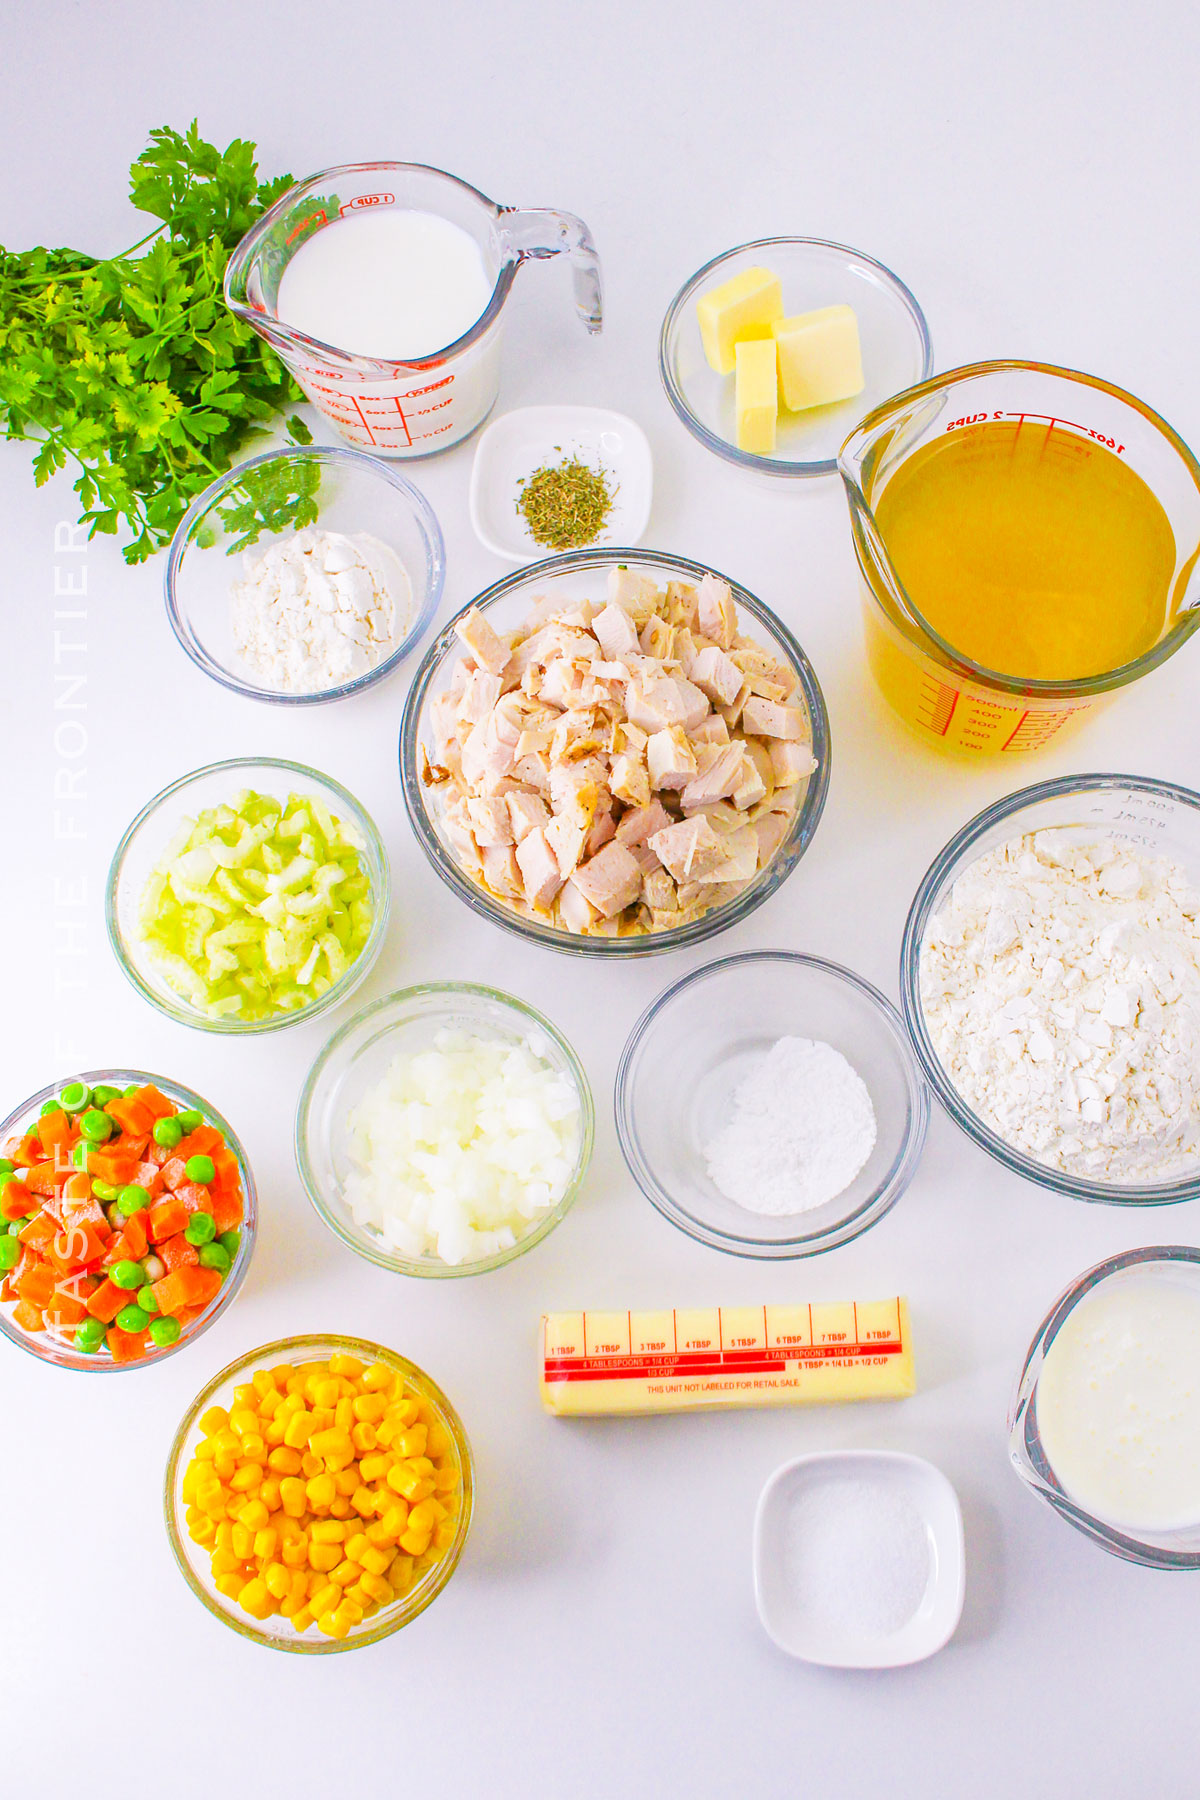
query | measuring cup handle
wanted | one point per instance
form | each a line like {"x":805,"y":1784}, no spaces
{"x":533,"y":234}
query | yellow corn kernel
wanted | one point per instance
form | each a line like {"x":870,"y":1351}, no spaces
{"x":289,"y":1406}
{"x":225,"y":1464}
{"x":254,"y":1514}
{"x":415,"y":1542}
{"x":254,"y":1448}
{"x":340,"y":1508}
{"x":298,"y":1587}
{"x":374,"y":1468}
{"x":340,"y":1363}
{"x":438,"y":1441}
{"x":446,"y":1480}
{"x":327,"y":1393}
{"x":225,"y":1535}
{"x":284,"y":1460}
{"x":204,"y":1452}
{"x":278,"y":1580}
{"x":325,"y":1599}
{"x":255,"y":1599}
{"x":263,"y":1382}
{"x":226,"y":1443}
{"x":281,"y":1374}
{"x":248,"y":1477}
{"x":295,"y":1556}
{"x":327,"y":1624}
{"x":269,"y":1493}
{"x":327,"y":1531}
{"x":224,"y":1562}
{"x":302,"y":1620}
{"x":324,"y":1556}
{"x":230,"y":1585}
{"x":194,"y":1477}
{"x":374,"y":1560}
{"x":321,"y":1492}
{"x":323,"y":1419}
{"x":350,"y":1612}
{"x":270,"y":1403}
{"x":444,"y":1534}
{"x":364,"y":1438}
{"x":346,"y":1482}
{"x":298,"y":1429}
{"x":344,"y":1414}
{"x":356,"y":1543}
{"x":380,"y":1591}
{"x":378,"y":1378}
{"x":412,"y":1442}
{"x":369,"y":1408}
{"x":241,"y":1541}
{"x":273,"y":1434}
{"x":311,"y":1465}
{"x":423,"y":1517}
{"x":204,"y":1531}
{"x":215,"y":1419}
{"x":265,"y":1542}
{"x":243,"y":1419}
{"x":333,"y":1442}
{"x":345,"y":1573}
{"x":294,"y":1497}
{"x":362,"y":1501}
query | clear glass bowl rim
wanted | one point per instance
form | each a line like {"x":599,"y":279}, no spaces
{"x":305,"y":1348}
{"x":924,"y":902}
{"x":401,"y":1265}
{"x":374,"y":852}
{"x":871,"y":1210}
{"x":97,"y":1365}
{"x":745,"y":459}
{"x":1118,"y":1543}
{"x":804,"y":820}
{"x":435,"y":571}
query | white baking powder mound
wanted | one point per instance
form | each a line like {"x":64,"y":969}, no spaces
{"x":802,"y":1127}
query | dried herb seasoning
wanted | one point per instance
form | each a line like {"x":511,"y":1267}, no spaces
{"x":565,"y":504}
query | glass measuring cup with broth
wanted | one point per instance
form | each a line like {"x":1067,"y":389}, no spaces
{"x":382,"y":286}
{"x":1028,"y":540}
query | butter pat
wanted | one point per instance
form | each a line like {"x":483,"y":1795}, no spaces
{"x":742,"y":308}
{"x":820,"y":358}
{"x":599,"y":1363}
{"x":756,"y":396}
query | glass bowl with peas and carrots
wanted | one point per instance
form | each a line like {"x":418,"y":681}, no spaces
{"x":319,"y":1493}
{"x":127,"y":1219}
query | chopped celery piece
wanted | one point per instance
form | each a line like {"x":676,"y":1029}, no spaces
{"x":257,"y":907}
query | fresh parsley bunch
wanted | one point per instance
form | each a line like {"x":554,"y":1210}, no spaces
{"x":131,"y":368}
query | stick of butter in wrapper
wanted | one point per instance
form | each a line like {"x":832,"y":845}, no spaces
{"x":597,"y":1364}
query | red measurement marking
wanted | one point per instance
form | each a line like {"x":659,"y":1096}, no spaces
{"x":1035,"y":729}
{"x":320,"y":217}
{"x":940,"y":701}
{"x":610,"y":1366}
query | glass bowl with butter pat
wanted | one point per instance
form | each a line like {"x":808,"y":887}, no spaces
{"x":773,"y":352}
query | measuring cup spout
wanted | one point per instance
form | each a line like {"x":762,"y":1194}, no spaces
{"x":531,"y":234}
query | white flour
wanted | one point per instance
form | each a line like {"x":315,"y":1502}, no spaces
{"x":802,"y":1128}
{"x":1061,"y":987}
{"x":318,"y":608}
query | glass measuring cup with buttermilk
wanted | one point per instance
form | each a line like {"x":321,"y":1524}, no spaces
{"x":382,"y":286}
{"x":1028,"y":541}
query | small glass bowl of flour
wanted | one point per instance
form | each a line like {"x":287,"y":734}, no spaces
{"x":859,"y":1558}
{"x":770,"y":1105}
{"x":1050,"y":975}
{"x":305,"y":575}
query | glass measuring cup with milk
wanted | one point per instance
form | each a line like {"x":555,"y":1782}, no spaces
{"x":1028,"y":541}
{"x":382,"y":286}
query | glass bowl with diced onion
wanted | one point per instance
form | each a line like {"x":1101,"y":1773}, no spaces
{"x":304,"y":575}
{"x":233,"y":1425}
{"x":249,"y":895}
{"x":444,"y":1130}
{"x":607,"y":807}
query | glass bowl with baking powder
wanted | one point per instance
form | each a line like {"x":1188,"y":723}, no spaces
{"x":1154,"y":819}
{"x":683,"y":1085}
{"x":265,"y":499}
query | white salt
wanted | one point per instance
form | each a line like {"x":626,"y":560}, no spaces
{"x":856,"y":1555}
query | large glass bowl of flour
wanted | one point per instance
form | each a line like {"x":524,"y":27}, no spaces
{"x":1058,"y":1019}
{"x":704,"y":1112}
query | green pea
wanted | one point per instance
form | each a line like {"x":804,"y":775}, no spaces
{"x":200,"y":1228}
{"x":131,"y":1090}
{"x":6,"y":1167}
{"x":127,"y":1274}
{"x":96,"y":1126}
{"x":131,"y":1199}
{"x":146,"y":1299}
{"x":132,"y":1318}
{"x":189,"y":1120}
{"x":103,"y":1190}
{"x":79,"y":1154}
{"x":201,"y":1169}
{"x":75,"y":1097}
{"x":214,"y":1256}
{"x":103,"y":1094}
{"x":167,"y":1132}
{"x":89,"y":1335}
{"x":49,"y":1107}
{"x":165,"y":1330}
{"x":230,"y":1242}
{"x":10,"y":1253}
{"x":16,"y":1228}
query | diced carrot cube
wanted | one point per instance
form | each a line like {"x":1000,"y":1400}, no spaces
{"x":158,"y":1154}
{"x":193,"y":1196}
{"x":28,"y":1317}
{"x":126,"y":1346}
{"x":41,"y":1179}
{"x":37,"y":1284}
{"x":107,"y":1301}
{"x":39,"y":1233}
{"x":64,"y":1310}
{"x":201,"y":1142}
{"x":54,"y":1128}
{"x":226,"y":1207}
{"x":16,"y":1200}
{"x":117,"y":1166}
{"x":29,"y":1151}
{"x":166,"y":1218}
{"x":131,"y":1115}
{"x":155,"y":1102}
{"x":135,"y":1236}
{"x":177,"y":1253}
{"x":77,"y":1248}
{"x":87,"y":1211}
{"x":190,"y":1286}
{"x":174,"y":1172}
{"x":149,"y":1176}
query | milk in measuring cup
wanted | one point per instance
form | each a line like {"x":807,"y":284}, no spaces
{"x":393,"y":283}
{"x":1118,"y":1403}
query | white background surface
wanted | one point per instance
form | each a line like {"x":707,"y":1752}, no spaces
{"x":1031,"y":173}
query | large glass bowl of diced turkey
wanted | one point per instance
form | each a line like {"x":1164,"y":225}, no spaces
{"x":615,"y":752}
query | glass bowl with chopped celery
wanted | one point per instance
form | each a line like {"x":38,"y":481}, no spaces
{"x":248,"y":895}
